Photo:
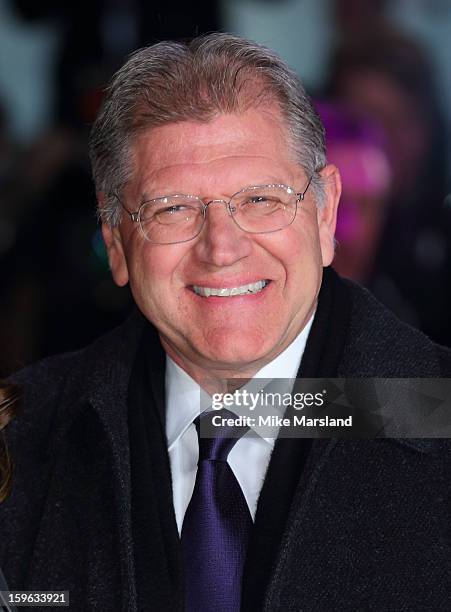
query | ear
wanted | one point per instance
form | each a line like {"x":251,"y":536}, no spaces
{"x":327,"y":214}
{"x":114,"y":246}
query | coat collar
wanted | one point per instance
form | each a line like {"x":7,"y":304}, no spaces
{"x":101,"y":382}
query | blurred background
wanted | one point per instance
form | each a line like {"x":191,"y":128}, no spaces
{"x":378,"y":71}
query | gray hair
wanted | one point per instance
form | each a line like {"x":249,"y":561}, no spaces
{"x":213,"y":74}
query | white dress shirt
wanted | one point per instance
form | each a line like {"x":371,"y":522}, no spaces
{"x":182,"y":407}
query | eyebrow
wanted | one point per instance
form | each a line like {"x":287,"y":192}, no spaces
{"x":269,"y":181}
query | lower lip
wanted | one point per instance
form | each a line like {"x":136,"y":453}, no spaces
{"x":247,"y":298}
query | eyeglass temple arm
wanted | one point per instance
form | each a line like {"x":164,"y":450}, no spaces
{"x":301,"y":194}
{"x":134,"y":216}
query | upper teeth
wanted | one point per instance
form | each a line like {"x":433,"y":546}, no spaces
{"x":228,"y":291}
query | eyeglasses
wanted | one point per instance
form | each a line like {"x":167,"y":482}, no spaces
{"x":261,"y":209}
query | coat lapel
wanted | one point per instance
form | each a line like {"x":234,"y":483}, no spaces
{"x":89,"y":517}
{"x":291,"y":470}
{"x":155,"y":535}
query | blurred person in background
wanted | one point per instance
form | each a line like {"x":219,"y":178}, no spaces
{"x":355,"y":18}
{"x":384,"y":76}
{"x":357,"y":147}
{"x":9,"y":397}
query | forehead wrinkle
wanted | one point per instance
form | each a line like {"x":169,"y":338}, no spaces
{"x":227,"y":134}
{"x":155,"y":183}
{"x":202,"y":152}
{"x":213,"y":159}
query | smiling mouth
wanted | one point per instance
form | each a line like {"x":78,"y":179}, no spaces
{"x":250,"y":289}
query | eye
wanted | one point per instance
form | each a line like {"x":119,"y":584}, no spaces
{"x":175,"y":213}
{"x":262,"y":201}
{"x":266,"y":198}
{"x":175,"y":209}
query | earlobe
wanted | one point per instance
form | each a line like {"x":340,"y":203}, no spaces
{"x":327,"y":214}
{"x":116,"y":256}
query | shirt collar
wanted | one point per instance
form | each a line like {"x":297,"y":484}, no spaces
{"x":184,"y":396}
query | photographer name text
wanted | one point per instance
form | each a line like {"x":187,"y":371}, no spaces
{"x":278,"y":421}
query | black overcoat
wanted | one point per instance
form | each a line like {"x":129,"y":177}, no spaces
{"x":369,"y":526}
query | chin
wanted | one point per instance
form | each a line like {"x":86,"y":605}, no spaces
{"x":238,"y":348}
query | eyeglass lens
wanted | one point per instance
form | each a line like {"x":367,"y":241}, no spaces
{"x":180,"y":218}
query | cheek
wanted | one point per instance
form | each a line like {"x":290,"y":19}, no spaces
{"x":302,"y":261}
{"x":298,"y":254}
{"x":153,"y":270}
{"x":302,"y":254}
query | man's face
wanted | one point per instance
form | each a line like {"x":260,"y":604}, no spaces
{"x":215,"y":160}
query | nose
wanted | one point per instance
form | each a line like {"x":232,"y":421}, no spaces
{"x":221,"y":242}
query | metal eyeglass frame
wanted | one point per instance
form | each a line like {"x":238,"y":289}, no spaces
{"x":136,"y":216}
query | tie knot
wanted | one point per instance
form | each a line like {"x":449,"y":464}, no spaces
{"x":217,"y":435}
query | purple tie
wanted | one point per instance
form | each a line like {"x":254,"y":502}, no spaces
{"x":216,"y":526}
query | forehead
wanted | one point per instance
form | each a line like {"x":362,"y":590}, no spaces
{"x":246,"y":147}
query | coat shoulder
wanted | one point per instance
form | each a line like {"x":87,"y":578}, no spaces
{"x":55,"y":382}
{"x":40,"y":386}
{"x":380,"y":345}
{"x":444,"y":355}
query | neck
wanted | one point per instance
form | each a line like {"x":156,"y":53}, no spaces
{"x":217,"y":379}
